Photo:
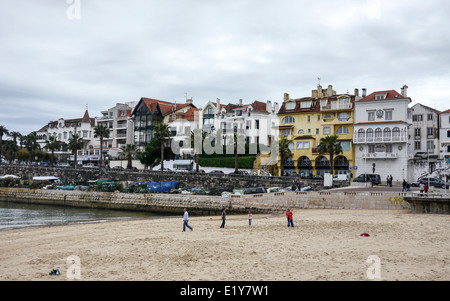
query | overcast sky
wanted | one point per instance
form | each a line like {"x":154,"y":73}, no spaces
{"x":57,"y":56}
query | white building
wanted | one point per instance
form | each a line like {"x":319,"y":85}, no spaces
{"x":381,"y":134}
{"x":444,"y":135}
{"x":424,"y":147}
{"x":121,"y":128}
{"x":257,"y":122}
{"x":63,"y":129}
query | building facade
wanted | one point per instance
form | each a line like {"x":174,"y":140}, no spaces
{"x":381,"y":129}
{"x":304,"y":121}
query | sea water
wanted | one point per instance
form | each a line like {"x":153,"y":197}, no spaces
{"x":15,"y":215}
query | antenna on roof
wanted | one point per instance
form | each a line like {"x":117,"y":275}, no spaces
{"x":318,"y":79}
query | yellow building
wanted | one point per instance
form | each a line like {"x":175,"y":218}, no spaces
{"x":304,"y":121}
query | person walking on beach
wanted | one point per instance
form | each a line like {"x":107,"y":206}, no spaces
{"x":250,"y":217}
{"x":291,"y":219}
{"x":185,"y":221}
{"x":404,"y":186}
{"x":224,"y":214}
{"x":287,"y":216}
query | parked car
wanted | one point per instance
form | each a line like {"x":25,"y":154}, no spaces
{"x":199,"y":171}
{"x":89,"y":165}
{"x":435,"y":182}
{"x":255,"y":190}
{"x":374,"y":178}
{"x":216,"y":171}
{"x":290,"y":173}
{"x":118,"y":167}
{"x":317,"y":177}
{"x":240,"y":172}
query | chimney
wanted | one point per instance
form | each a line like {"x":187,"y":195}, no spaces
{"x":286,"y":97}
{"x":405,"y":91}
{"x":268,"y":106}
{"x":356,"y":92}
{"x":190,"y":101}
{"x":218,"y":103}
{"x":240,"y":102}
{"x":363,"y":92}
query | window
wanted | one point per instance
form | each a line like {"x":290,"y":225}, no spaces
{"x":303,"y":145}
{"x":388,"y":148}
{"x":309,"y":118}
{"x":380,"y":96}
{"x":342,"y":130}
{"x":210,"y":111}
{"x":343,"y":116}
{"x":388,"y":115}
{"x":448,"y":133}
{"x":305,"y":104}
{"x":395,"y":134}
{"x":302,"y":131}
{"x":326,"y":130}
{"x":291,"y":146}
{"x":369,"y":135}
{"x":286,"y":132}
{"x":371,"y":116}
{"x":387,"y":134}
{"x":290,"y":105}
{"x":345,"y":145}
{"x":344,"y":103}
{"x":361,"y":133}
{"x":417,"y":132}
{"x":417,"y":117}
{"x":378,"y":134}
{"x":317,"y":131}
{"x":430,"y":116}
{"x":417,"y":145}
{"x":430,"y":145}
{"x":318,"y":117}
{"x":248,"y":124}
{"x":430,"y":132}
{"x":257,"y":124}
{"x":371,"y":148}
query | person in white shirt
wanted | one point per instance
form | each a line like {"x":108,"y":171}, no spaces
{"x":185,"y":220}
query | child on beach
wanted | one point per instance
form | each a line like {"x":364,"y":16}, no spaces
{"x":291,"y":219}
{"x":250,"y":217}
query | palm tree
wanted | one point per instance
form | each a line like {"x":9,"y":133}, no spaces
{"x":330,"y":145}
{"x":75,"y":143}
{"x":3,"y":131}
{"x":162,"y":134}
{"x":31,"y":143}
{"x":51,"y":144}
{"x":101,"y":132}
{"x":285,"y":152}
{"x":15,"y":135}
{"x":129,"y":151}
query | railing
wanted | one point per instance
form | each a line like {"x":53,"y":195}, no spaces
{"x":379,"y":139}
{"x":379,"y":155}
{"x":335,"y":106}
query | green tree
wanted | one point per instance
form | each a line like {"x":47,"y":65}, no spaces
{"x":51,"y":144}
{"x":329,"y":145}
{"x":31,"y":144}
{"x":75,"y":144}
{"x":285,"y":152}
{"x":162,"y":134}
{"x":15,"y":135}
{"x":3,"y":131}
{"x":101,"y":132}
{"x":129,"y":151}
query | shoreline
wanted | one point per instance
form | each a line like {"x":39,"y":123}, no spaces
{"x":325,"y":244}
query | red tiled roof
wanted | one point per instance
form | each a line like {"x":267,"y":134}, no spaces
{"x":166,"y":107}
{"x":391,"y":95}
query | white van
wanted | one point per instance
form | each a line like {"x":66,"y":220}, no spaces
{"x":341,"y":177}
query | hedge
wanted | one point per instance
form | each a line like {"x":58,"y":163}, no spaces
{"x":243,"y":162}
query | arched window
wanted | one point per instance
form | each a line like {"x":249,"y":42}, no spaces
{"x":288,"y":119}
{"x":387,"y":134}
{"x":343,"y":116}
{"x":301,"y":131}
{"x":378,"y":134}
{"x":369,"y":135}
{"x":396,"y":134}
{"x":342,"y":130}
{"x":361,"y":133}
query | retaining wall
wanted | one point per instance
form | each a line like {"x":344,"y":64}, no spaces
{"x":209,"y":205}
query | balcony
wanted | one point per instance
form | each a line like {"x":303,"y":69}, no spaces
{"x":380,"y":139}
{"x":379,"y":155}
{"x":336,"y":107}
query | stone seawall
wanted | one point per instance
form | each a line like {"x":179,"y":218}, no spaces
{"x":209,"y":205}
{"x":205,"y":181}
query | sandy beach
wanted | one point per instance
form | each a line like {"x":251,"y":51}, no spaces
{"x":323,"y":245}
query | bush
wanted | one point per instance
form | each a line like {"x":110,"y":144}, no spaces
{"x":243,"y":162}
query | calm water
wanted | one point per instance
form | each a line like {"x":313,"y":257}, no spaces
{"x":18,"y":215}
